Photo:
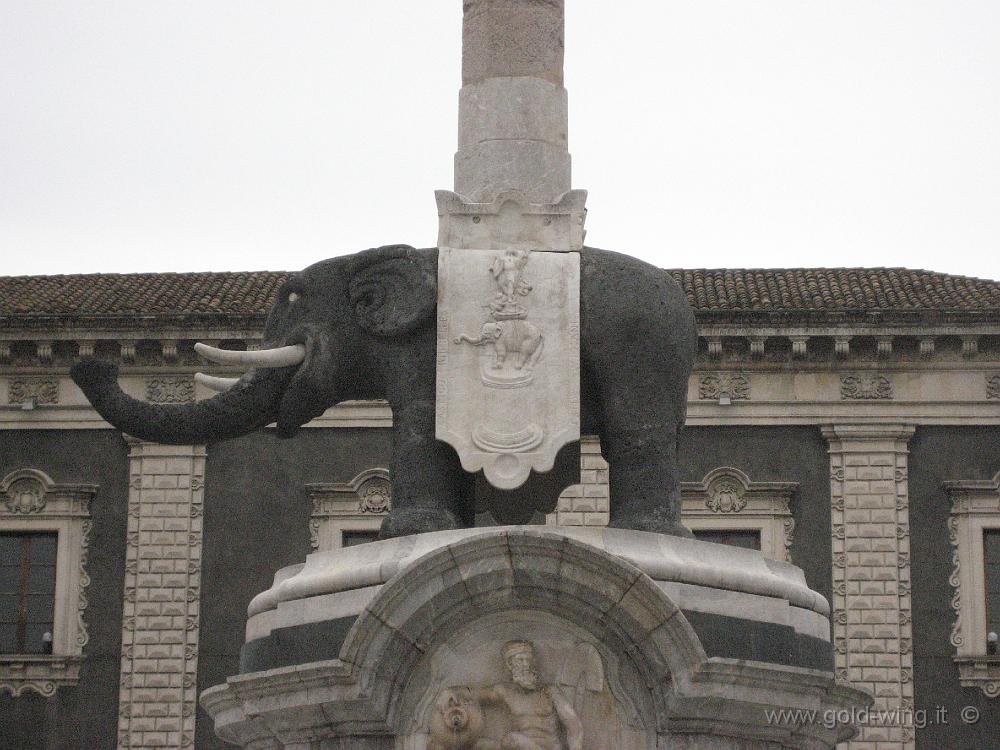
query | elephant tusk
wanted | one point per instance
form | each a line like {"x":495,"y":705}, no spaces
{"x":216,"y":384}
{"x":283,"y":356}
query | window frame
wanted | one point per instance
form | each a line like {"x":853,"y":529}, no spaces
{"x":63,"y":509}
{"x":975,"y":509}
{"x":728,"y":500}
{"x":345,"y":507}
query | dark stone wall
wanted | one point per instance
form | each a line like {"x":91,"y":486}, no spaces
{"x":775,"y":454}
{"x":257,"y":521}
{"x":86,"y":715}
{"x":939,"y":454}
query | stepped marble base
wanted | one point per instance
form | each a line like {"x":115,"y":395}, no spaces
{"x":542,"y":638}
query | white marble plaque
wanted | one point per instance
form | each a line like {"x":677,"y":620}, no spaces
{"x":508,"y":359}
{"x":508,"y":351}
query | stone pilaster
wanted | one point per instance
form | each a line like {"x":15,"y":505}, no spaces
{"x":871,"y":572}
{"x":159,"y":667}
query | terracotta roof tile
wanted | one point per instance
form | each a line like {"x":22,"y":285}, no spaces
{"x":88,"y":295}
{"x":709,"y":290}
{"x":835,"y":289}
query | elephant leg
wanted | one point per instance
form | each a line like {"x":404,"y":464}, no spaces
{"x":430,"y":491}
{"x":645,"y":492}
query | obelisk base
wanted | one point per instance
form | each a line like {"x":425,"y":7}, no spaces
{"x":580,"y":638}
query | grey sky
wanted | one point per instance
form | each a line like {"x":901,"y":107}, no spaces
{"x":239,"y":134}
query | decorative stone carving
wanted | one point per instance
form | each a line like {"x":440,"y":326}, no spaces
{"x":715,"y":385}
{"x":727,"y":499}
{"x":535,"y":716}
{"x":358,"y":505}
{"x":170,"y":389}
{"x":25,"y":495}
{"x":457,"y":721}
{"x":507,"y":330}
{"x":41,"y":390}
{"x":375,"y":496}
{"x":725,"y":495}
{"x":992,"y":386}
{"x":865,"y":386}
{"x":523,"y":681}
{"x":800,"y":346}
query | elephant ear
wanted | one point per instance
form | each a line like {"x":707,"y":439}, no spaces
{"x":393,"y":289}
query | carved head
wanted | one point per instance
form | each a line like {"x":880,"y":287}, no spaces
{"x":519,"y":656}
{"x":492,"y":330}
{"x":457,"y":721}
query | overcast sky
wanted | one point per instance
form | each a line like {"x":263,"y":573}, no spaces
{"x":238,"y":134}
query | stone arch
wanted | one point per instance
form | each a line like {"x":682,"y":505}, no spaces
{"x":515,"y":569}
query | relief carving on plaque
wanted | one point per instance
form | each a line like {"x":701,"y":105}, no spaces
{"x":516,"y":342}
{"x":42,"y":390}
{"x":539,"y":716}
{"x":537,"y":690}
{"x":866,"y":387}
{"x":508,"y":343}
{"x":25,"y":495}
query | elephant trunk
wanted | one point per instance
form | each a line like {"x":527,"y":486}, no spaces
{"x":250,"y":404}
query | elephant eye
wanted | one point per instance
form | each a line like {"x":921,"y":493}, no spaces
{"x":293,"y":296}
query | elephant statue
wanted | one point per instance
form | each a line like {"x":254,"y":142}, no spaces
{"x":363,"y":326}
{"x":517,"y":336}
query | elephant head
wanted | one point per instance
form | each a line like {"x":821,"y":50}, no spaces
{"x":322,"y":337}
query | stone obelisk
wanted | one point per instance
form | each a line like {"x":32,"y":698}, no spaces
{"x":508,"y":388}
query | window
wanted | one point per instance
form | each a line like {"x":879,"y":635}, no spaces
{"x":726,"y":507}
{"x":27,"y":592}
{"x":974,"y":532}
{"x":44,"y":529}
{"x":748,"y":538}
{"x":350,"y":513}
{"x":991,"y":567}
{"x":352,"y":538}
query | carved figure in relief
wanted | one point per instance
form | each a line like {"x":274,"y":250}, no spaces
{"x":364,"y":326}
{"x":508,"y":270}
{"x":540,"y":717}
{"x":518,"y":337}
{"x":457,"y":722}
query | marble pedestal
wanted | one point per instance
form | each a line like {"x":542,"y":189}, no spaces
{"x":536,"y":637}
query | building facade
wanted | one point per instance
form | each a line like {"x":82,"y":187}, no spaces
{"x":847,"y":420}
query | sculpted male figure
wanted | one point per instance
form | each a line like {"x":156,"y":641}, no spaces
{"x":537,"y":711}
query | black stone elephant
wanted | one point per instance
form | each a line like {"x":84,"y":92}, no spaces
{"x":364,"y":327}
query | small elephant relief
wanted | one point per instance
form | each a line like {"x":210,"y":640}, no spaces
{"x":517,"y":337}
